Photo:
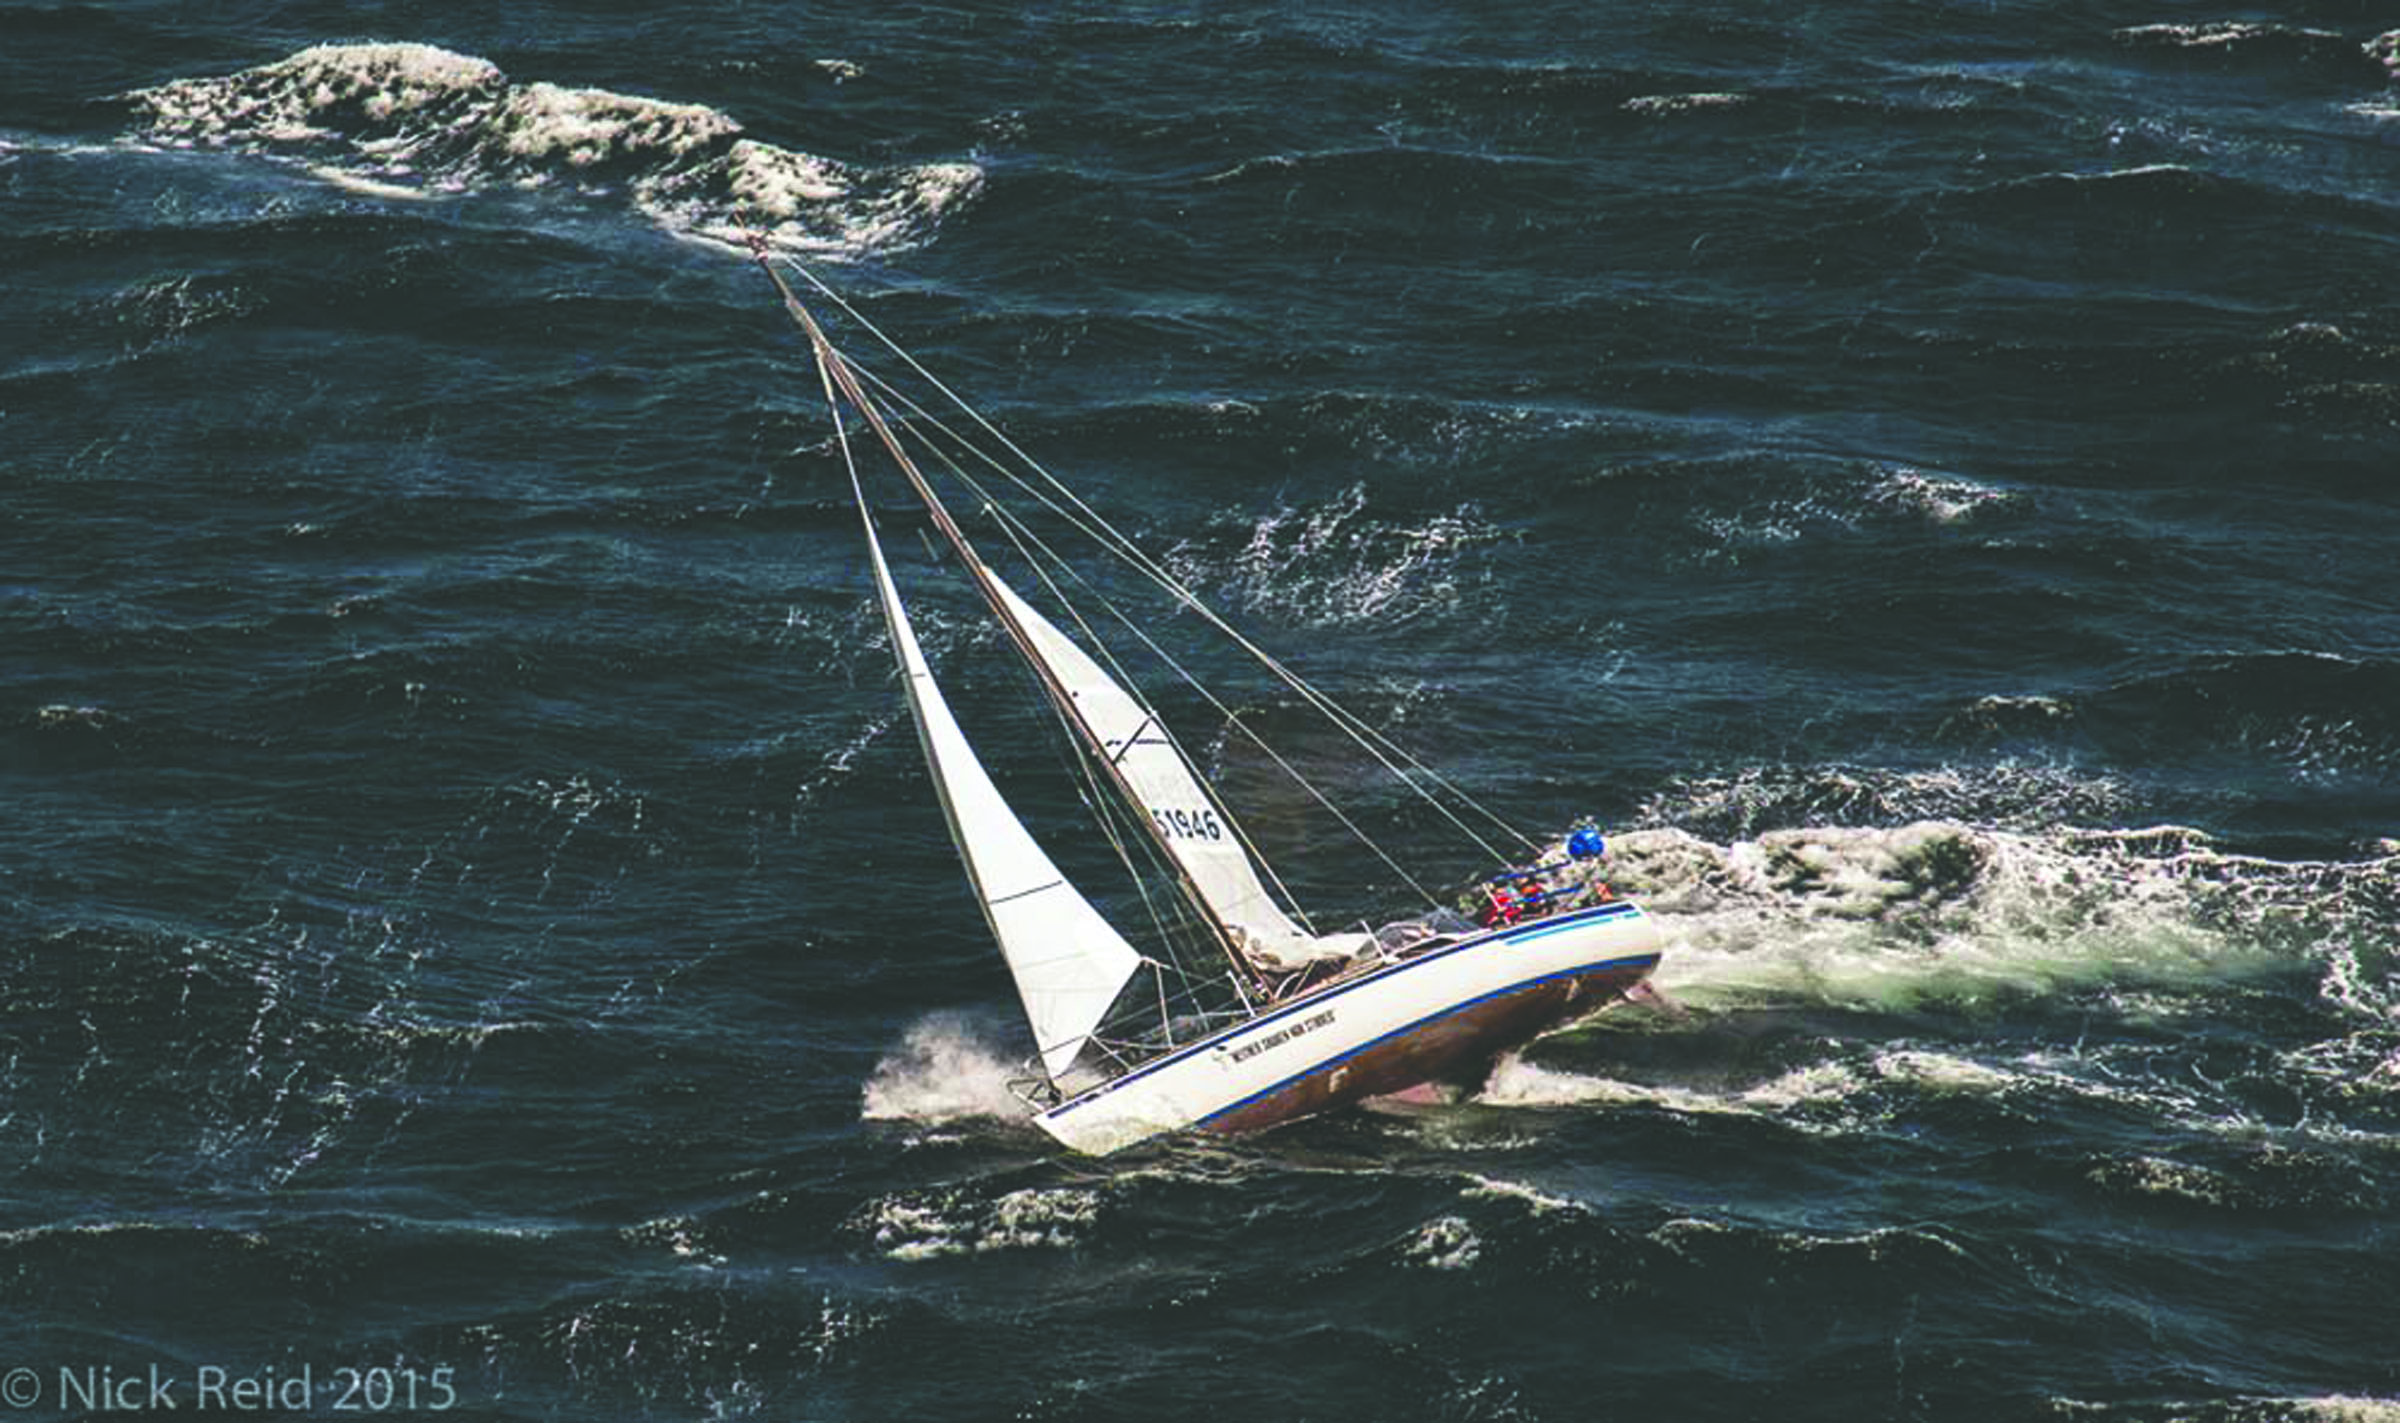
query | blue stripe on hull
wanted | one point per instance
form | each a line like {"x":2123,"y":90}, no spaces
{"x":1333,"y":992}
{"x":1643,"y":963}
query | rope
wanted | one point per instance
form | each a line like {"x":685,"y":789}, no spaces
{"x":1070,"y":507}
{"x":1087,"y":521}
{"x":1232,"y":718}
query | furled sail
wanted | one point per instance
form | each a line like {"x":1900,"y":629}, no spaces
{"x":1153,"y":769}
{"x":1068,"y":963}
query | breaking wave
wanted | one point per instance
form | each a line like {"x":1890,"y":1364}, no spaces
{"x":413,"y":119}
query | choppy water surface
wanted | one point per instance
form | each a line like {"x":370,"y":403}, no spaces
{"x":1924,"y":477}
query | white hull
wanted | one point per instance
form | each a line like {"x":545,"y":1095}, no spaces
{"x":1449,"y":1008}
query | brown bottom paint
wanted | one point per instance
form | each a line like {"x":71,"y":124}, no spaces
{"x":1452,"y":1048}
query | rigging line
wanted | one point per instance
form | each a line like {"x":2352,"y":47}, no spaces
{"x":1232,"y":718}
{"x":1019,"y":533}
{"x":1013,"y":527}
{"x":1090,"y":523}
{"x":1084,"y":791}
{"x":833,"y":368}
{"x":1124,"y":548}
{"x":1182,"y":973}
{"x":1166,"y":1020}
{"x":1099,"y":804}
{"x":1343,"y":720}
{"x":1183,"y":920}
{"x":1108,"y":536}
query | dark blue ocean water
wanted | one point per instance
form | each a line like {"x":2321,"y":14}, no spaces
{"x":1925,"y":476}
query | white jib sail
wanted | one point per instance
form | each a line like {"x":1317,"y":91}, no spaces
{"x":1068,"y":963}
{"x":1170,"y":793}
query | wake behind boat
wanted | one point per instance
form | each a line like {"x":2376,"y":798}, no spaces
{"x":1238,"y":1013}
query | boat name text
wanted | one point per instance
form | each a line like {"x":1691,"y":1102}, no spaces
{"x":1282,"y":1035}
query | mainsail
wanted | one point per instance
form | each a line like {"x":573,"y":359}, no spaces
{"x":1155,"y":775}
{"x":1068,"y":963}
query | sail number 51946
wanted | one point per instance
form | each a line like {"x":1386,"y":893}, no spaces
{"x":1188,"y":824}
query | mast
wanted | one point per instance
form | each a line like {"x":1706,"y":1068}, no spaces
{"x":1005,"y":608}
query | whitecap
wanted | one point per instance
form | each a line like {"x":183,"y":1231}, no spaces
{"x":929,"y":1225}
{"x":409,"y":120}
{"x":1446,"y":1243}
{"x":1685,"y":103}
{"x":2347,"y":1408}
{"x":1536,"y":1202}
{"x":1941,"y":499}
{"x":1942,"y":1072}
{"x":543,"y":124}
{"x":1335,"y":563}
{"x":2218,"y":34}
{"x":2158,"y":1176}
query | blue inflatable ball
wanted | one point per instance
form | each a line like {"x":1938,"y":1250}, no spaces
{"x":1586,"y":844}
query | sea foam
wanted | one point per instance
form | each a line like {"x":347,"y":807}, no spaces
{"x":943,"y":1071}
{"x":395,"y":119}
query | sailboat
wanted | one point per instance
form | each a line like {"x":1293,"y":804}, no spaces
{"x":1236,"y":1014}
